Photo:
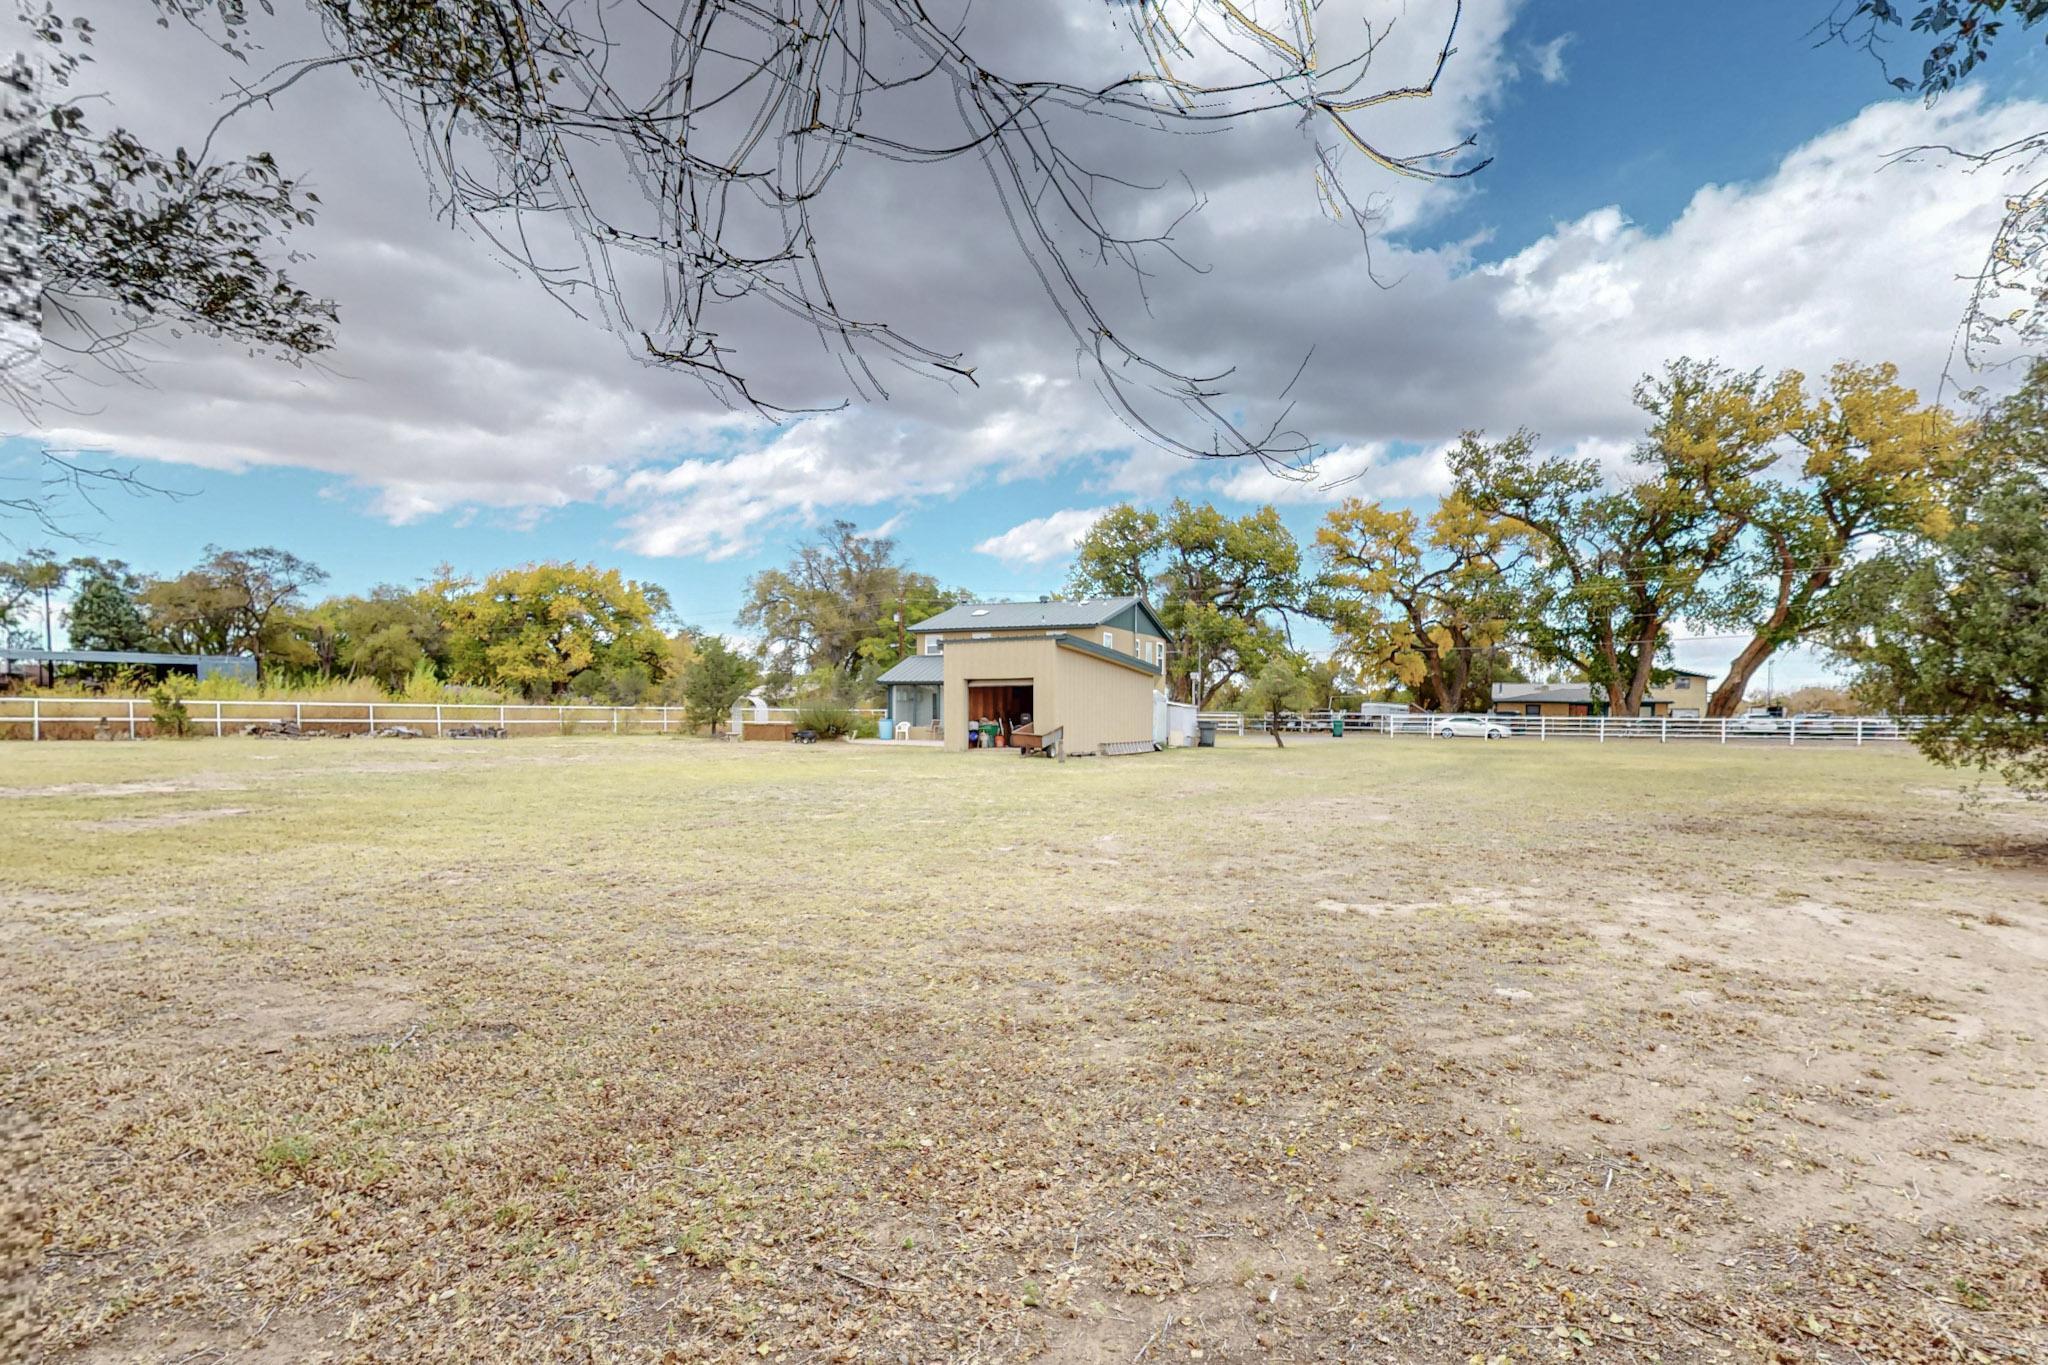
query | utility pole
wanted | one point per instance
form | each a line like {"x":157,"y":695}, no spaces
{"x":899,"y":633}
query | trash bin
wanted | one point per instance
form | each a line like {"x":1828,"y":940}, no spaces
{"x":1205,"y":734}
{"x":1336,"y":725}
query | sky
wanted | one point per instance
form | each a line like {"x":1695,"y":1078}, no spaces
{"x":1664,"y":180}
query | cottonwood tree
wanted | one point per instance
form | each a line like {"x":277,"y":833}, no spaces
{"x":1223,"y":587}
{"x":1421,"y":608}
{"x":539,"y":627}
{"x":385,"y":635}
{"x":1956,"y":628}
{"x":233,"y":602}
{"x":834,"y":607}
{"x":1611,"y":564}
{"x":1872,"y":462}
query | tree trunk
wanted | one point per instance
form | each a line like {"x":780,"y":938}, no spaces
{"x":1273,"y":724}
{"x":1770,"y":637}
{"x":1727,"y":698}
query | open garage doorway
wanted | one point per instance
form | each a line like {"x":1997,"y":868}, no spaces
{"x":1005,"y":703}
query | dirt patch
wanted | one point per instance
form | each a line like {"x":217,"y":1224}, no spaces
{"x":270,"y":1017}
{"x":103,"y":789}
{"x":165,"y":820}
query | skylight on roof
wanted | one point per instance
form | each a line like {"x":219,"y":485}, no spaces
{"x":979,"y":611}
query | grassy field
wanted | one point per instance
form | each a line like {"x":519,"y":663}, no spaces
{"x":662,"y":1049}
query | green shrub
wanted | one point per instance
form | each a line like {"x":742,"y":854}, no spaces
{"x":831,"y":722}
{"x":167,"y":710}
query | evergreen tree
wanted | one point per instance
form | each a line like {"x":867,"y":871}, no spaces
{"x":104,"y":614}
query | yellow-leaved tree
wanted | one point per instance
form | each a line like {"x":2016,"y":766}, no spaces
{"x":1873,"y":462}
{"x":1424,"y":610}
{"x":540,"y":627}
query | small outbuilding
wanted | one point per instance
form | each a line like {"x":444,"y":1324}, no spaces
{"x":985,"y":671}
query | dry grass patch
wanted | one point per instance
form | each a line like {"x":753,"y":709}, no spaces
{"x":658,"y":1049}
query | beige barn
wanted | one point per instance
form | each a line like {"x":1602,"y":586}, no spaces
{"x":1091,"y":670}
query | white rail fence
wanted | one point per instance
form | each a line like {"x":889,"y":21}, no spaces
{"x":84,"y":717}
{"x":1787,"y":730}
{"x":131,"y":717}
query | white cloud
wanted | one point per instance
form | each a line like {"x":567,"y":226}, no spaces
{"x":1042,"y":540}
{"x":458,"y":385}
{"x":1549,"y":59}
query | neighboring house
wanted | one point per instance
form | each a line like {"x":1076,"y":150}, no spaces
{"x":1089,"y":668}
{"x":1684,"y":697}
{"x":1686,"y":692}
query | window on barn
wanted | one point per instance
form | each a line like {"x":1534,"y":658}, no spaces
{"x":935,"y":644}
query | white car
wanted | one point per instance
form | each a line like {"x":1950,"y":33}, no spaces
{"x":1761,"y":722}
{"x":1470,"y":727}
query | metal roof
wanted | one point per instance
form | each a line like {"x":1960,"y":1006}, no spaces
{"x":918,"y":668}
{"x":1569,"y":692}
{"x":124,"y":656}
{"x":1092,"y":611}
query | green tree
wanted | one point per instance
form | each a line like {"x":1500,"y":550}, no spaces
{"x":1873,"y":462}
{"x":193,"y":613}
{"x":104,"y":613}
{"x":384,"y":636}
{"x":1223,"y":587}
{"x":1956,"y":628}
{"x":537,"y":627}
{"x":43,"y":575}
{"x":1282,"y":685}
{"x":715,"y":681}
{"x":833,"y":607}
{"x":259,"y":590}
{"x":1610,"y":567}
{"x":1423,"y":611}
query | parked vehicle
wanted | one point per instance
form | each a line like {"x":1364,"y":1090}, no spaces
{"x":1470,"y":727}
{"x":1820,"y":725}
{"x":1762,"y":721}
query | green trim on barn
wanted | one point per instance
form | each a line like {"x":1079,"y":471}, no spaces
{"x":1106,"y":654}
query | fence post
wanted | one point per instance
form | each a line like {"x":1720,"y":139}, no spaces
{"x":615,"y":720}
{"x":1664,"y":730}
{"x":131,"y":718}
{"x":1791,"y":732}
{"x":1603,"y":729}
{"x":1542,"y":727}
{"x":373,"y":719}
{"x":1724,"y":729}
{"x":437,"y":720}
{"x":35,"y":718}
{"x":1859,"y":732}
{"x":218,"y":708}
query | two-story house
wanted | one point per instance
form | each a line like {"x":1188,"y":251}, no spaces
{"x":1089,"y":668}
